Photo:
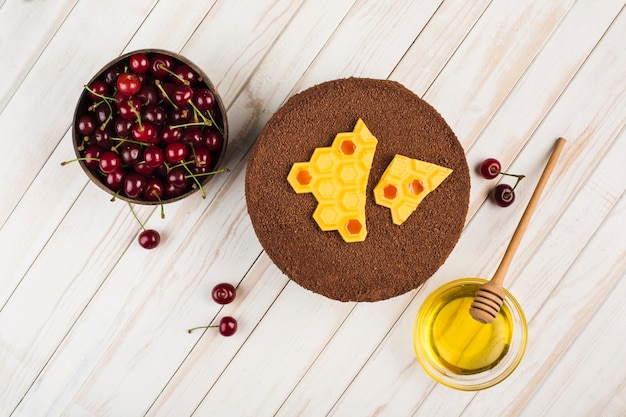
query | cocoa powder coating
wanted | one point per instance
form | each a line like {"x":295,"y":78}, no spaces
{"x":393,"y":259}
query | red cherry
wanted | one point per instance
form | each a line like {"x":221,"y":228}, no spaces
{"x":181,"y":115}
{"x":228,"y":326}
{"x":160,"y":64}
{"x":129,"y":108}
{"x":111,"y":74}
{"x":503,"y":195}
{"x":128,"y":84}
{"x":175,"y":152}
{"x":139,"y":63}
{"x":204,"y":99}
{"x":182,"y":94}
{"x":490,"y":168}
{"x":223,"y":293}
{"x":149,"y":239}
{"x":213,"y":140}
{"x":170,"y":135}
{"x":134,"y":184}
{"x":122,"y":126}
{"x":115,"y":179}
{"x":154,"y":189}
{"x":144,"y":133}
{"x":130,"y":153}
{"x":102,"y":138}
{"x":109,"y":162}
{"x":102,"y":112}
{"x":154,"y":114}
{"x":172,"y":191}
{"x":91,"y":156}
{"x":143,"y":169}
{"x":153,"y":155}
{"x":86,"y":124}
{"x":193,"y":134}
{"x":177,"y":177}
{"x":202,"y":158}
{"x":100,"y":88}
{"x":148,"y":95}
{"x":184,"y":74}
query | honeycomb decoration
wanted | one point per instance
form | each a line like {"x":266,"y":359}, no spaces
{"x":405,"y":183}
{"x":337,"y":176}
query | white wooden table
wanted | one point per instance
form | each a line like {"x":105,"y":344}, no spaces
{"x":91,"y":324}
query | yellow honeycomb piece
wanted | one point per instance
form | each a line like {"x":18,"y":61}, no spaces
{"x":337,"y":177}
{"x":405,"y":183}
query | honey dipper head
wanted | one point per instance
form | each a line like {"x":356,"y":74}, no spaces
{"x":487,"y":303}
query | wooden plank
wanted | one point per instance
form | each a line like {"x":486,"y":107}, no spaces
{"x":212,"y":353}
{"x":570,"y":234}
{"x":57,"y":288}
{"x":568,"y":238}
{"x":437,"y":43}
{"x":543,"y":83}
{"x":185,"y":219}
{"x":50,"y":74}
{"x":242,"y":359}
{"x":258,"y":27}
{"x":101,"y":380}
{"x":309,"y":396}
{"x":371,"y":40}
{"x":563,"y":316}
{"x":26,"y":28}
{"x":21,"y":371}
{"x":404,"y":383}
{"x":591,"y":360}
{"x":54,"y":181}
{"x":289,"y":57}
{"x":617,"y":404}
{"x":490,"y":61}
{"x":109,"y":311}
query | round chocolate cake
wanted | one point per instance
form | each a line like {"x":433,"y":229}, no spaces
{"x":392,"y":259}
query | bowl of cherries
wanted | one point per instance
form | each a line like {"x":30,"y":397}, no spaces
{"x":150,"y":128}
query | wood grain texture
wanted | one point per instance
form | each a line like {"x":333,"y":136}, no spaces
{"x":93,"y":325}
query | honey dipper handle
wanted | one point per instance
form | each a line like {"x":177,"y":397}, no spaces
{"x":498,"y":277}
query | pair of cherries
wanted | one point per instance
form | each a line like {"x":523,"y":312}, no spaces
{"x":503,"y":194}
{"x":223,"y":293}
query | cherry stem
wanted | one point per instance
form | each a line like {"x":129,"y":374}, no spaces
{"x":215,"y":124}
{"x":519,"y":178}
{"x":160,"y":87}
{"x":115,"y":195}
{"x":135,"y":214}
{"x":193,"y":151}
{"x":137,"y":114}
{"x":122,"y":140}
{"x":191,"y":175}
{"x":82,"y":143}
{"x":206,"y":122}
{"x":183,"y":163}
{"x":199,"y":327}
{"x":79,"y":159}
{"x":198,"y":112}
{"x":154,"y":193}
{"x":105,"y":98}
{"x":166,"y":69}
{"x":219,"y":171}
{"x":94,"y":105}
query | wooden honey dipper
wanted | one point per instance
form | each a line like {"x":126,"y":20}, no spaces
{"x":490,"y":296}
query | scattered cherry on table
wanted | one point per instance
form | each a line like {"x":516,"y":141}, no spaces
{"x":223,"y":293}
